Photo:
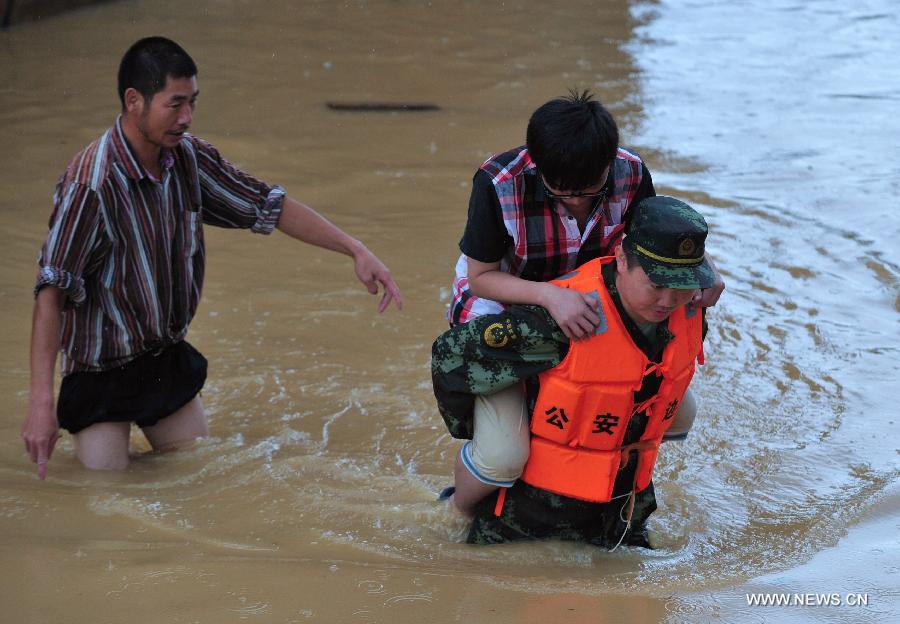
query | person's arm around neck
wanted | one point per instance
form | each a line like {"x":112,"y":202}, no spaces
{"x":305,"y":224}
{"x":41,"y":428}
{"x":574,"y":312}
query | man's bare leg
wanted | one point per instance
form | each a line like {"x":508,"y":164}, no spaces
{"x":469,"y":490}
{"x":103,"y":446}
{"x":180,"y":428}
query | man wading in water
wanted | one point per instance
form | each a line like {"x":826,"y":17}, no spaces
{"x":122,"y":268}
{"x":535,"y":213}
{"x":599,"y":408}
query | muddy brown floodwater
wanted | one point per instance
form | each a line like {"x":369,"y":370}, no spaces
{"x":314,"y":499}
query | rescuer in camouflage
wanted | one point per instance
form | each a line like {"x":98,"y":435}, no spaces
{"x":494,"y":351}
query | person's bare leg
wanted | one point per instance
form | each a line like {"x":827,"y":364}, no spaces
{"x":103,"y":446}
{"x":179,"y":429}
{"x":469,"y":490}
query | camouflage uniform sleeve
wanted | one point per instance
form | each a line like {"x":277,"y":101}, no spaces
{"x":490,"y":353}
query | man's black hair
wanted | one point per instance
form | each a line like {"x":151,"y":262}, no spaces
{"x":572,"y":139}
{"x":149,"y":62}
{"x":631,"y":257}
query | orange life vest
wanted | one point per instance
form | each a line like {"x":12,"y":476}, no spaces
{"x":585,"y":403}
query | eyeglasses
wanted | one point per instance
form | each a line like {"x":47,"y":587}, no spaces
{"x":576,"y":194}
{"x":552,"y":195}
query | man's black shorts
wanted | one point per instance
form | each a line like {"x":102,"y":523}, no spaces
{"x":143,"y":391}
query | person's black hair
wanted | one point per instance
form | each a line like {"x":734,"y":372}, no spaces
{"x":572,"y":139}
{"x":149,"y":62}
{"x":631,"y":257}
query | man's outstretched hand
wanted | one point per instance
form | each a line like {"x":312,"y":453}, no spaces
{"x":371,"y":271}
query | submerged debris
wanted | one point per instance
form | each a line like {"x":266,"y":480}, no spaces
{"x":383,"y":107}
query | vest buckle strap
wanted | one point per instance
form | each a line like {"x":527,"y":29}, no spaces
{"x":643,"y":405}
{"x":641,"y":445}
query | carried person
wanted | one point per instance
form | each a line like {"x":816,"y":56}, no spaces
{"x":598,"y":408}
{"x":122,"y":268}
{"x":536,"y":212}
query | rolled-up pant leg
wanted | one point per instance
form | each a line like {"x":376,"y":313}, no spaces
{"x":499,"y":447}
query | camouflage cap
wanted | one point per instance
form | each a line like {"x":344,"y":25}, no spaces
{"x":668,"y":236}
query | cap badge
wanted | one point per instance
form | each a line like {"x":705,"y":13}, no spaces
{"x":687,"y":247}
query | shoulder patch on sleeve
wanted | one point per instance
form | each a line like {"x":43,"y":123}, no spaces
{"x":499,"y":335}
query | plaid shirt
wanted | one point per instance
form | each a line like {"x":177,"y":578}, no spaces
{"x":546,"y":241}
{"x":127,"y":249}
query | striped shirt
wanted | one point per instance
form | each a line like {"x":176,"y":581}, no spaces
{"x":127,"y":249}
